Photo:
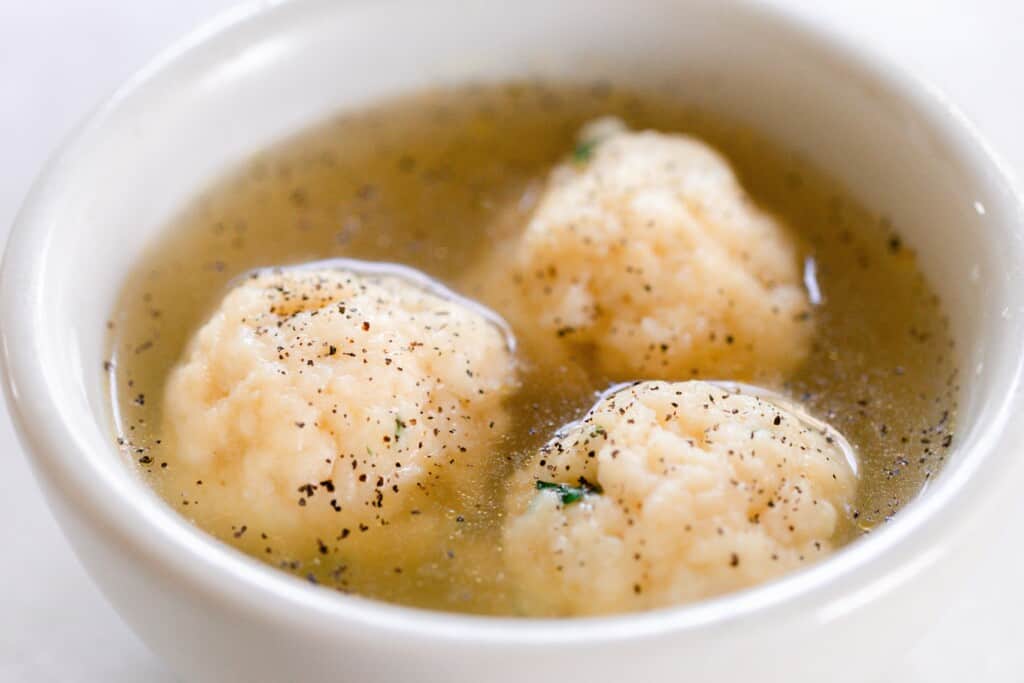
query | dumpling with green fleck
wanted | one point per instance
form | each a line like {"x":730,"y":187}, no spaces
{"x":645,"y":249}
{"x":666,"y":493}
{"x":322,"y":405}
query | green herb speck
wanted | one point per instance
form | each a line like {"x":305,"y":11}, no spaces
{"x":567,"y":493}
{"x":584,"y":151}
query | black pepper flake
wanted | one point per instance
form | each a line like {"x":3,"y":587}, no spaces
{"x":406,"y":164}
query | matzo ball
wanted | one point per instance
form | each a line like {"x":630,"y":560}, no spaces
{"x":644,"y":247}
{"x":667,"y":493}
{"x":328,"y":402}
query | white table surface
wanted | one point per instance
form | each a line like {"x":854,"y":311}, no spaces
{"x":59,"y":57}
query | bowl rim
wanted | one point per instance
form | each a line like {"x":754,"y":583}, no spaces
{"x":830,"y":588}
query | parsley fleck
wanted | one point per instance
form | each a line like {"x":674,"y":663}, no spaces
{"x":584,"y":151}
{"x":567,"y":493}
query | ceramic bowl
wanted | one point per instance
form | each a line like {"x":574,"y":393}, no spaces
{"x":265,"y":71}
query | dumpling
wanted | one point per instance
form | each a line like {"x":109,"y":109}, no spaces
{"x":667,"y":493}
{"x":328,"y":403}
{"x":644,"y":249}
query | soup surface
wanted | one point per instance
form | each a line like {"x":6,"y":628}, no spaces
{"x":439,"y":181}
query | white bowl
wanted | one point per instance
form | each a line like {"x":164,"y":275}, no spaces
{"x":258,"y":74}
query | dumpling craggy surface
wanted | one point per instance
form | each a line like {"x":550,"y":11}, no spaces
{"x":326,"y":404}
{"x":667,"y":493}
{"x":645,"y":247}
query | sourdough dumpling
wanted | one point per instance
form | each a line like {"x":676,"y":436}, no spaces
{"x":645,"y":247}
{"x":328,"y":403}
{"x":667,"y":493}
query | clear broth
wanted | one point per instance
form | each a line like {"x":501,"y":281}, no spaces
{"x":427,"y":181}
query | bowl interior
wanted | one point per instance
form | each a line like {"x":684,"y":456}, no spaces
{"x":209,"y":103}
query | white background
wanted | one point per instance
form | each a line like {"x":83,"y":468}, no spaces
{"x":59,"y":57}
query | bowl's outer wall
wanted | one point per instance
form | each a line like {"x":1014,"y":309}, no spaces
{"x":233,"y":88}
